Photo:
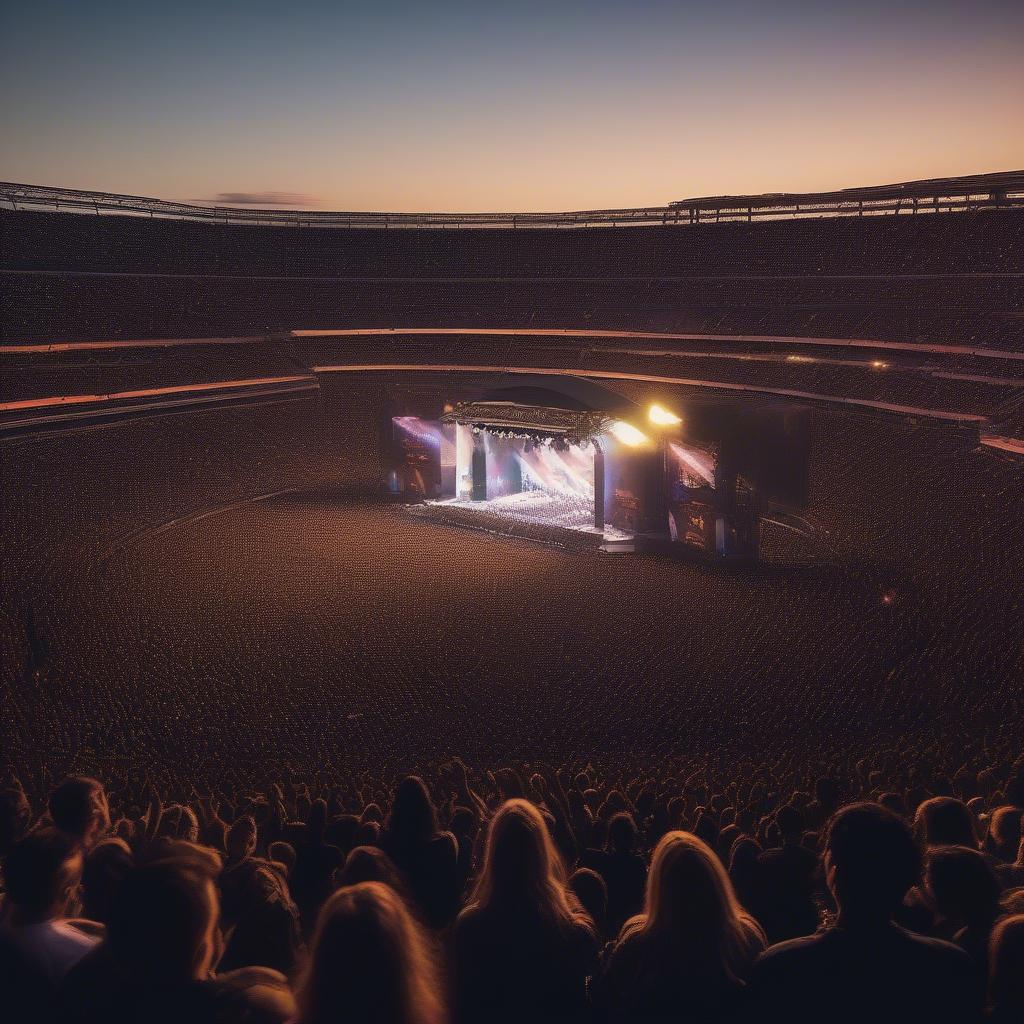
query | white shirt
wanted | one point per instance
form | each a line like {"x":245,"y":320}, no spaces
{"x":55,"y":945}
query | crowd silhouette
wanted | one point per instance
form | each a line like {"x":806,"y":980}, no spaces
{"x":526,"y":893}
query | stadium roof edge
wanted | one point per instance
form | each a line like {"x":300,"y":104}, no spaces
{"x":998,"y":184}
{"x":999,"y":190}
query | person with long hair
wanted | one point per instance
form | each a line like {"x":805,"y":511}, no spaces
{"x":369,"y":963}
{"x":687,"y":955}
{"x":426,"y":856}
{"x":523,"y":946}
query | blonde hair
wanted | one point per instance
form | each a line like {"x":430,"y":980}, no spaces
{"x":523,"y":869}
{"x":369,"y":961}
{"x":690,"y":908}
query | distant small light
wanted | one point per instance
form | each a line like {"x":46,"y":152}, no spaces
{"x":662,"y":416}
{"x":799,"y":359}
{"x":628,"y":434}
{"x":879,"y":365}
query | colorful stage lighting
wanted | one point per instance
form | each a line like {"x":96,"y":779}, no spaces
{"x":660,"y":415}
{"x":628,"y":434}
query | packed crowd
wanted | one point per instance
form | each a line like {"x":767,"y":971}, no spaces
{"x":942,"y":278}
{"x":520,"y":894}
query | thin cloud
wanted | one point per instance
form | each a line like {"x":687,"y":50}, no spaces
{"x":264,"y":199}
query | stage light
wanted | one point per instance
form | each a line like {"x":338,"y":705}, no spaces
{"x":628,"y":434}
{"x":662,"y":416}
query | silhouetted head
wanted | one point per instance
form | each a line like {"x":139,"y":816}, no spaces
{"x":893,"y":802}
{"x":1015,"y":789}
{"x":1005,"y":831}
{"x":106,"y":866}
{"x":241,"y":838}
{"x":706,"y":828}
{"x":743,"y":865}
{"x":690,"y":907}
{"x":791,"y":823}
{"x":622,"y":833}
{"x":1006,"y":968}
{"x":965,"y":889}
{"x":522,"y":872}
{"x":41,"y":874}
{"x":871,"y":860}
{"x":519,"y":859}
{"x":163,"y":920}
{"x":369,"y":962}
{"x":282,"y":853}
{"x":370,"y":864}
{"x":945,"y":821}
{"x":464,"y":824}
{"x":591,"y":892}
{"x":179,"y":822}
{"x":15,"y":817}
{"x":316,"y":821}
{"x":78,"y":808}
{"x":413,"y":818}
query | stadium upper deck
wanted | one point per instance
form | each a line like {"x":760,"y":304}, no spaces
{"x":999,"y":190}
{"x":780,"y":265}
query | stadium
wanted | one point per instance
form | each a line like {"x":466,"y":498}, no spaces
{"x":258,"y":524}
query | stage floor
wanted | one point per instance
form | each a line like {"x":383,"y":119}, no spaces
{"x":568,"y":512}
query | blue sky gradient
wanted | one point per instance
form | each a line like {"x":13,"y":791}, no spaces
{"x":530,"y":106}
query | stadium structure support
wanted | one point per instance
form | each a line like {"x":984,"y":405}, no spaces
{"x":1000,"y":190}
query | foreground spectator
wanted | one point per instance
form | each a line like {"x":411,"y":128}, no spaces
{"x":623,"y":869}
{"x":42,"y":873}
{"x":944,"y":821}
{"x":370,"y":963}
{"x":79,"y":809}
{"x":15,"y":817}
{"x":1006,"y":975}
{"x":106,"y":866}
{"x":316,"y":860}
{"x":157,"y":963}
{"x":864,"y":967}
{"x":523,"y":945}
{"x":785,"y":879}
{"x":692,"y":947}
{"x":966,"y":894}
{"x":426,"y":856}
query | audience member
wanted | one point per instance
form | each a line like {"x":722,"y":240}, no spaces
{"x":692,"y":947}
{"x":623,"y":869}
{"x":369,"y":963}
{"x":212,"y":932}
{"x":966,"y":892}
{"x":785,"y":880}
{"x":1006,"y":972}
{"x":864,"y":967}
{"x":78,"y":808}
{"x":106,"y":866}
{"x":523,"y":947}
{"x":426,"y":856}
{"x":157,"y":963}
{"x":42,"y":873}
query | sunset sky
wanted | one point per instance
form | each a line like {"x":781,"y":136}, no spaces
{"x":516,"y":106}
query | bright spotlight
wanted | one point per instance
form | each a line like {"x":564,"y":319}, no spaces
{"x":663,"y":417}
{"x":628,"y":434}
